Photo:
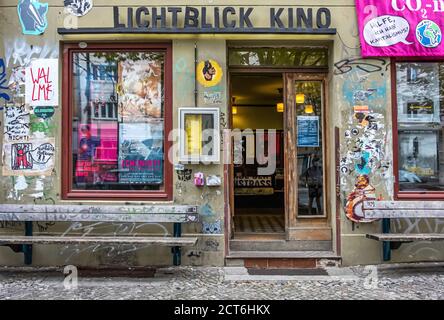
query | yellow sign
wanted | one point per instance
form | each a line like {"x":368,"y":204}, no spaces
{"x":209,"y":73}
{"x":193,"y":127}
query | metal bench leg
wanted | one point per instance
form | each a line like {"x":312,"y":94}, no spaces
{"x":27,"y":248}
{"x":177,"y":250}
{"x":386,"y":249}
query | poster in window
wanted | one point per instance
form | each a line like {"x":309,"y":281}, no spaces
{"x":97,"y":153}
{"x":140,"y":88}
{"x":141,"y":153}
{"x":422,"y":111}
{"x":308,"y":131}
{"x":418,"y":152}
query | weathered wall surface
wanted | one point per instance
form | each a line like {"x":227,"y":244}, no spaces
{"x":17,"y":51}
{"x":366,"y":142}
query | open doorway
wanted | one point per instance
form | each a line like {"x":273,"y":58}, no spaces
{"x":258,"y":199}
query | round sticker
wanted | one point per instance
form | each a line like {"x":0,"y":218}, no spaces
{"x":428,"y":34}
{"x":209,"y":73}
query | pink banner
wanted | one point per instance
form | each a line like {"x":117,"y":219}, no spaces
{"x":401,"y":28}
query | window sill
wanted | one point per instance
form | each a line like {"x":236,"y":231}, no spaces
{"x":117,"y":196}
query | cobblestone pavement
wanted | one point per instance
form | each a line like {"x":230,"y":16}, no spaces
{"x":207,"y":283}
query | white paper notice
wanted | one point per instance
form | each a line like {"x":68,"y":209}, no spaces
{"x":42,"y":83}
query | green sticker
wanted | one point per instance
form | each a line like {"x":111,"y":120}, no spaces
{"x":44,"y":112}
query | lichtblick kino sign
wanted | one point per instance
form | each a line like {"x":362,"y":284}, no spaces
{"x":291,"y":20}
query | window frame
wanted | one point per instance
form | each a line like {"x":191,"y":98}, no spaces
{"x":398,"y":194}
{"x":68,"y":193}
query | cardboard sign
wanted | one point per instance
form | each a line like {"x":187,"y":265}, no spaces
{"x":42,"y":83}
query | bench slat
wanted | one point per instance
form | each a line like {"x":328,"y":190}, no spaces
{"x":163,"y":241}
{"x":100,"y":217}
{"x":85,"y":209}
{"x":400,"y":237}
{"x":399,"y":205}
{"x":402,"y":213}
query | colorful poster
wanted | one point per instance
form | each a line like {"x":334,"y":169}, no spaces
{"x":400,"y":28}
{"x":141,"y":153}
{"x":97,"y":153}
{"x":140,"y":88}
{"x":28,"y":158}
{"x":42,"y":83}
{"x":16,"y":119}
{"x":308,"y":131}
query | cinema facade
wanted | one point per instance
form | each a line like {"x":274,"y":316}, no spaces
{"x":108,"y":104}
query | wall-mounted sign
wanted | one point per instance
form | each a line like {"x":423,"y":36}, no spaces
{"x":209,"y":73}
{"x":199,"y":135}
{"x":308,"y":131}
{"x":190,"y":19}
{"x":400,"y":28}
{"x":42,"y":83}
{"x":32,"y":16}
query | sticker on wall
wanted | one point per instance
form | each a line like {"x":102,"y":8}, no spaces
{"x":44,"y":112}
{"x":29,"y":158}
{"x":212,"y":97}
{"x":17,"y":80}
{"x":32,"y":16}
{"x":42,"y":83}
{"x":78,"y":7}
{"x":212,"y":227}
{"x":209,"y":73}
{"x":16,"y":119}
{"x":363,"y":191}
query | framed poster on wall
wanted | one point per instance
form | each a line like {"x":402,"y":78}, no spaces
{"x":199,"y":135}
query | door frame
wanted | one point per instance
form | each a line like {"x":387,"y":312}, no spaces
{"x":297,"y":227}
{"x":322,"y":227}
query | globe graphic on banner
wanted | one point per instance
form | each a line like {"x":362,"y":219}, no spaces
{"x":428,"y":34}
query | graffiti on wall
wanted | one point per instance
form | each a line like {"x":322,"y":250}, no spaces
{"x":364,"y":164}
{"x":18,"y":53}
{"x":3,"y":81}
{"x":25,"y":124}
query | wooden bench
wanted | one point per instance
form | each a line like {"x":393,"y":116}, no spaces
{"x":85,"y":213}
{"x":387,"y":210}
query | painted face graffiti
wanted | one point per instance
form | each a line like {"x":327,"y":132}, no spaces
{"x":32,"y":15}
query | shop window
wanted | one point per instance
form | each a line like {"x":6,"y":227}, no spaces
{"x":309,"y":57}
{"x":419,"y":142}
{"x":117,"y":116}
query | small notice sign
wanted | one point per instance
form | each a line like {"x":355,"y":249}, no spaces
{"x":308,"y":131}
